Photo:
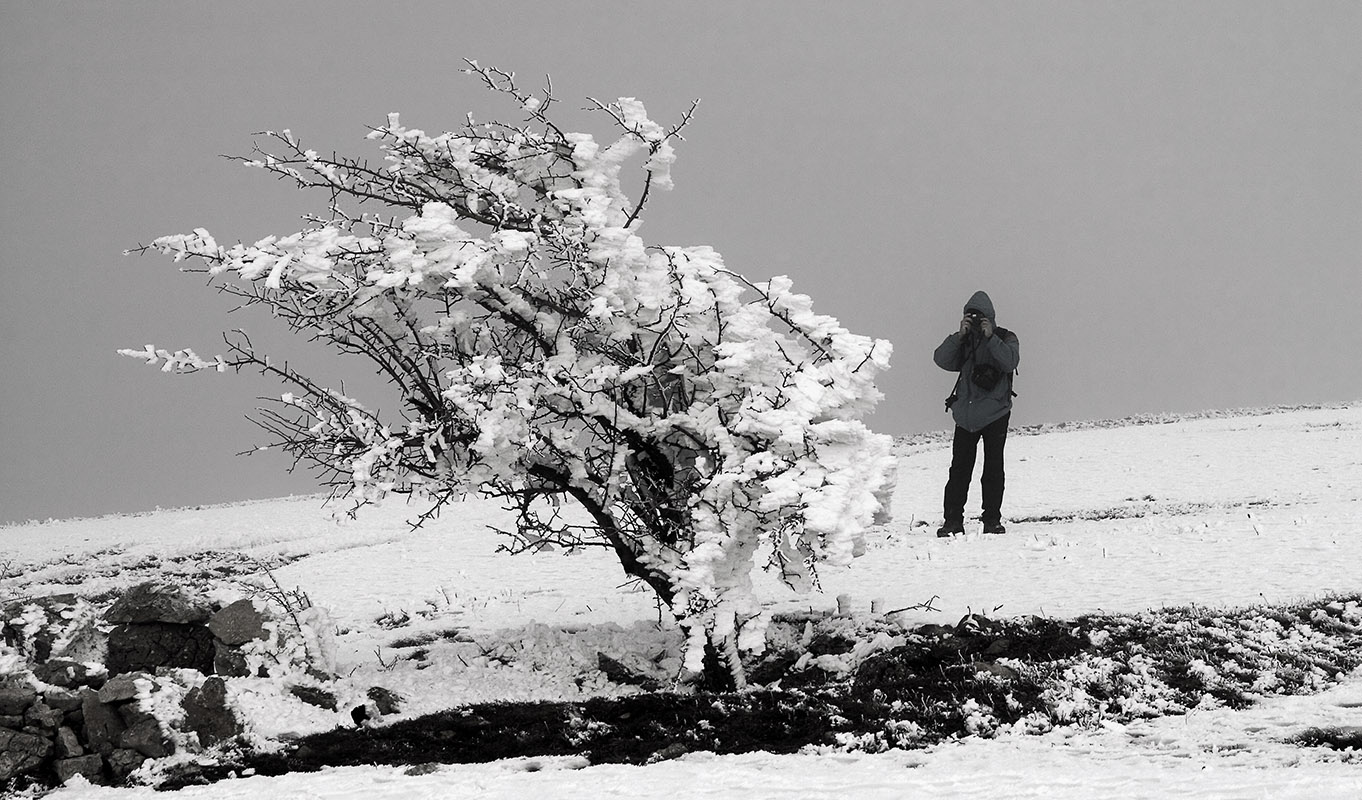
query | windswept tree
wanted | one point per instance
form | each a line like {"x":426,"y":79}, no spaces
{"x":494,"y":275}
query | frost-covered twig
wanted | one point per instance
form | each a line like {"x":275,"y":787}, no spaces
{"x":292,"y":602}
{"x":927,"y":606}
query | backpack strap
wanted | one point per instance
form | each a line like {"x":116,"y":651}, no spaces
{"x":1004,"y":332}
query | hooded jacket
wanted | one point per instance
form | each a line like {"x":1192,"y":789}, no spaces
{"x":975,"y":407}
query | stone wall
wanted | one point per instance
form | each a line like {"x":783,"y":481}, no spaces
{"x":73,"y":681}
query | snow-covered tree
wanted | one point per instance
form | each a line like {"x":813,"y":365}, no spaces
{"x":543,"y":352}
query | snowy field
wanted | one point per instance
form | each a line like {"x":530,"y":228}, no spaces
{"x":1220,"y":511}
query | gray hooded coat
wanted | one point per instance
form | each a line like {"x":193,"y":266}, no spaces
{"x":975,"y":407}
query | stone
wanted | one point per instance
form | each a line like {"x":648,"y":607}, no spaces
{"x":12,"y":721}
{"x":184,"y":773}
{"x":64,"y":673}
{"x":79,"y":635}
{"x":16,"y":695}
{"x":90,"y":767}
{"x":238,"y":623}
{"x":102,"y":723}
{"x":977,"y":623}
{"x":21,"y":753}
{"x":132,"y":713}
{"x":619,"y":672}
{"x":156,"y":601}
{"x":230,"y":661}
{"x":360,"y":714}
{"x":672,"y":751}
{"x":147,"y":646}
{"x":121,"y":687}
{"x":316,"y":674}
{"x":314,"y":696}
{"x":123,"y":763}
{"x":207,"y":714}
{"x":996,"y":670}
{"x":999,"y":647}
{"x":44,"y":717}
{"x":933,"y":631}
{"x":67,"y":743}
{"x":386,"y":701}
{"x":146,"y":738}
{"x":62,"y":699}
{"x":144,"y":732}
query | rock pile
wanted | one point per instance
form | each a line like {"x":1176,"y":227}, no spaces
{"x":73,"y":704}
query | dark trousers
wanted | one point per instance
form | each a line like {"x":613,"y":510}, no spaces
{"x":963,"y":451}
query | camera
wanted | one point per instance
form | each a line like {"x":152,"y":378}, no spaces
{"x":976,"y":320}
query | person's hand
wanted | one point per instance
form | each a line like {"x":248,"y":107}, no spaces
{"x":965,"y":327}
{"x":986,"y":327}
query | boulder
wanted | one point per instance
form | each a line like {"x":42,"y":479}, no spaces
{"x":229,"y":661}
{"x":148,"y":646}
{"x":314,"y":696}
{"x":238,"y":623}
{"x":619,"y":672}
{"x":670,"y":752}
{"x":996,"y":670}
{"x":207,"y":714}
{"x":154,"y":601}
{"x":90,"y":767}
{"x":68,"y":743}
{"x":977,"y":624}
{"x":146,"y":738}
{"x":65,"y":673}
{"x":21,"y":753}
{"x":62,"y":699}
{"x":123,"y":763}
{"x":999,"y":647}
{"x":102,"y":723}
{"x":386,"y":701}
{"x":43,"y":717}
{"x":16,"y":695}
{"x":144,"y":732}
{"x":121,"y":687}
{"x":360,"y":714}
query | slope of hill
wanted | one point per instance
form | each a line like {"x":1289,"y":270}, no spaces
{"x":1235,"y":509}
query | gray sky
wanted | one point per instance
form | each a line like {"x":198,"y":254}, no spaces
{"x":1163,"y":199}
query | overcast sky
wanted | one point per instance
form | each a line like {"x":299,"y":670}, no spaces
{"x":1164,"y":200}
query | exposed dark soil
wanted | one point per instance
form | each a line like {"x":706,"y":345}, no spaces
{"x":1345,"y":738}
{"x":913,"y":695}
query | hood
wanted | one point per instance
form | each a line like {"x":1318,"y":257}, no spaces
{"x":980,"y":302}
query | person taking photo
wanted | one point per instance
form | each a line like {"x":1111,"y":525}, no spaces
{"x":985,"y":356}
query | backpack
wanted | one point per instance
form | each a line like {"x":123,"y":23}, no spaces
{"x":985,"y":376}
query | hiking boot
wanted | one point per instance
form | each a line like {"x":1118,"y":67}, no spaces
{"x":950,"y":529}
{"x":994,"y":527}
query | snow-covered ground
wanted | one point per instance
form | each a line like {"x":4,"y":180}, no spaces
{"x":1220,"y":511}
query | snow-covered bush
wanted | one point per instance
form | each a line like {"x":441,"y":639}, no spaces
{"x":543,"y":352}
